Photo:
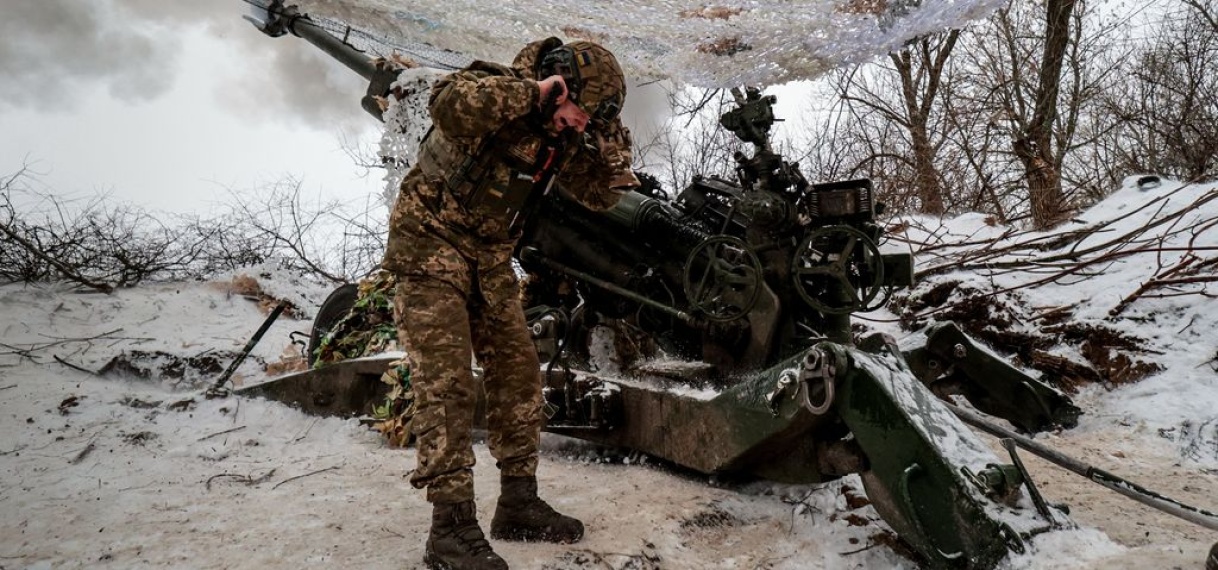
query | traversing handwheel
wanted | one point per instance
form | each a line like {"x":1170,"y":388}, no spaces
{"x":722,"y":278}
{"x":838,"y":270}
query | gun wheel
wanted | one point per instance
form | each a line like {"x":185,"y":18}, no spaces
{"x":332,"y":310}
{"x":838,"y":270}
{"x":722,"y":278}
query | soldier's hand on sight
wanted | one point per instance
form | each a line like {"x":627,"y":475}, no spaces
{"x":548,"y":97}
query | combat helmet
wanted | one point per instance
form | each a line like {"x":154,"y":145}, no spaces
{"x":593,"y":77}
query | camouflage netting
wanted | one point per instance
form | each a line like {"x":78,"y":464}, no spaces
{"x":394,"y":415}
{"x":368,"y":330}
{"x":706,"y":44}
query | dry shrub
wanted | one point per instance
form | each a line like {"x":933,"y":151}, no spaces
{"x":290,"y":360}
{"x":248,"y":287}
{"x":245,"y":286}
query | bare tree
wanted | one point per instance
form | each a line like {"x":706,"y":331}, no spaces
{"x":920,"y":80}
{"x":924,"y":124}
{"x":1170,"y":105}
{"x":1026,"y":79}
{"x":822,"y":145}
{"x":105,"y":246}
{"x":690,"y":142}
{"x":1207,"y":10}
{"x":1035,"y":72}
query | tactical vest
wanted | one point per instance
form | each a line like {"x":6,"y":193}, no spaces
{"x":502,"y":177}
{"x":499,"y":178}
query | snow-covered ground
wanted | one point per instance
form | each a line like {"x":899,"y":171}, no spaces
{"x":120,"y":472}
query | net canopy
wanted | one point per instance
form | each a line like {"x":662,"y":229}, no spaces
{"x":720,"y":44}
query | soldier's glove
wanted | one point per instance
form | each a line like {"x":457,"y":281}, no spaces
{"x":385,"y":72}
{"x":553,"y":94}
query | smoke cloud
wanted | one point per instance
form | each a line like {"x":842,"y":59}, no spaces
{"x":51,"y":50}
{"x":647,"y":105}
{"x":54,"y":51}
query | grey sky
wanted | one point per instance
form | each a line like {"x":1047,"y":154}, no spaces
{"x":168,"y":103}
{"x":173,"y":104}
{"x":52,"y":48}
{"x":132,"y":49}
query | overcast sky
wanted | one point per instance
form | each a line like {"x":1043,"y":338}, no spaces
{"x":170,"y":104}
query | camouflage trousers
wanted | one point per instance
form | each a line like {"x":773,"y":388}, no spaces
{"x":440,"y":325}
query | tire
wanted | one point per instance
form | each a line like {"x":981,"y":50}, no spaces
{"x":332,"y":310}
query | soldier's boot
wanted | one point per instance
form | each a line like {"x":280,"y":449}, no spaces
{"x":522,"y":515}
{"x":456,"y":541}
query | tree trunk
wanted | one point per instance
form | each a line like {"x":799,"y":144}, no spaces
{"x":920,"y":84}
{"x":1035,"y":148}
{"x":1045,"y":196}
{"x":930,"y":192}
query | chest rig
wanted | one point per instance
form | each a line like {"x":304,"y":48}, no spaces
{"x":503,"y":177}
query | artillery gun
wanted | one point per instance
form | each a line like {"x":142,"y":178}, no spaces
{"x":747,"y":287}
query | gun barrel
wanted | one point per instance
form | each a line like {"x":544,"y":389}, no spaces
{"x":647,"y":217}
{"x":354,"y":59}
{"x":275,"y":19}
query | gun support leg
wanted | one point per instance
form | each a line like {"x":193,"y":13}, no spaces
{"x":952,"y":363}
{"x":916,"y":449}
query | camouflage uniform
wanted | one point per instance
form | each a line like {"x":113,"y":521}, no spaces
{"x":457,"y":292}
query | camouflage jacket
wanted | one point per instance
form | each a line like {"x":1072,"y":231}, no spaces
{"x":490,"y":108}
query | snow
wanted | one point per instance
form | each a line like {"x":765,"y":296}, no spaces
{"x":1179,"y":328}
{"x":950,"y":436}
{"x":132,"y":476}
{"x":119,"y":472}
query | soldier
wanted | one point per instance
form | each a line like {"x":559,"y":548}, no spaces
{"x":500,"y":137}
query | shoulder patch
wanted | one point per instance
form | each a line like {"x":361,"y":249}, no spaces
{"x":584,"y":59}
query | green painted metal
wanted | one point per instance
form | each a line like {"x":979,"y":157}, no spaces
{"x":347,"y":389}
{"x":733,"y":432}
{"x":950,"y":358}
{"x":915,"y":480}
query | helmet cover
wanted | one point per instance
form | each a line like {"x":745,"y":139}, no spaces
{"x":594,"y":79}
